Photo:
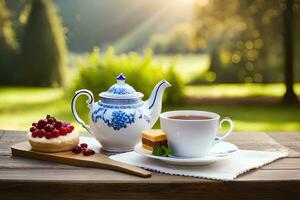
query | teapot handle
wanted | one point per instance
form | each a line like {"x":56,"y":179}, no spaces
{"x":90,"y":103}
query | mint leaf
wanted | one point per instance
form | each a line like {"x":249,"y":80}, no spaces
{"x":161,"y":151}
{"x":168,"y":151}
{"x":157,"y":151}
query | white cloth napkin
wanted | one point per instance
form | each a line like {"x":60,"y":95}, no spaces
{"x":225,"y":170}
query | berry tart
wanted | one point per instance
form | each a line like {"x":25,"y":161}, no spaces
{"x":51,"y":135}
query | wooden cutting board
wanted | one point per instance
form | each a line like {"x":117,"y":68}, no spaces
{"x":98,"y":160}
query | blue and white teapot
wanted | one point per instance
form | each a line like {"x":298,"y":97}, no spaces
{"x":119,"y":117}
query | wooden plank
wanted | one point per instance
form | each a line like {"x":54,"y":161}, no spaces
{"x":290,"y":140}
{"x":172,"y":190}
{"x":107,"y":176}
{"x":86,"y":175}
{"x":259,"y":141}
{"x":9,"y":162}
{"x":11,"y":131}
{"x":283,"y":164}
{"x":9,"y":138}
{"x":1,"y":134}
{"x":270,"y":175}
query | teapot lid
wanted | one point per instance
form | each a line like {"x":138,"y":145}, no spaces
{"x":121,"y":90}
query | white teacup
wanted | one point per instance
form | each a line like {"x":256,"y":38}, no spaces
{"x":192,"y":138}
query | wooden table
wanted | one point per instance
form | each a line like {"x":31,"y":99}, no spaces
{"x":22,"y":178}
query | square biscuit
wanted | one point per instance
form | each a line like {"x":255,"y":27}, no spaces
{"x":154,"y":135}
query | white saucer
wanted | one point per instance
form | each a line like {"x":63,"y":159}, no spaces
{"x":220,"y":151}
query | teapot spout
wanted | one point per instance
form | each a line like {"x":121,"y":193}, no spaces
{"x":154,"y":102}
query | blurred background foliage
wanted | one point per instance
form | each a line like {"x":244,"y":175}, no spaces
{"x":8,"y":46}
{"x":246,"y":40}
{"x":43,"y":56}
{"x":99,"y":71}
{"x":216,"y":55}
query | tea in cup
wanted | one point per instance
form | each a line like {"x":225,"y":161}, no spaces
{"x":192,"y":133}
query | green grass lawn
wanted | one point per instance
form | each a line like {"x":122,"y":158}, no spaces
{"x":21,"y":106}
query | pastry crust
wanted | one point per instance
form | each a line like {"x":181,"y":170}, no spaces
{"x":147,"y":147}
{"x":55,"y":146}
{"x":154,"y":135}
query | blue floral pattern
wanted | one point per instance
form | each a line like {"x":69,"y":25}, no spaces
{"x":118,"y":119}
{"x":118,"y":90}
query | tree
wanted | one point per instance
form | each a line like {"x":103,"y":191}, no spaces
{"x":289,"y":96}
{"x":248,"y":35}
{"x":8,"y":46}
{"x":43,"y":49}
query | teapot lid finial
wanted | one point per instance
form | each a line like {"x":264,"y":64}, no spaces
{"x":121,"y":90}
{"x":121,"y":77}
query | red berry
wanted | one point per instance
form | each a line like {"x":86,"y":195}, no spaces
{"x":55,"y":133}
{"x":50,"y":120}
{"x":32,"y":129}
{"x":41,"y":124}
{"x":57,"y":125}
{"x":41,"y":133}
{"x":92,"y":152}
{"x":34,"y":134}
{"x":83,"y":145}
{"x":63,"y":131}
{"x":55,"y":130}
{"x":70,"y":128}
{"x":77,"y":149}
{"x":86,"y":153}
{"x":48,"y":128}
{"x":48,"y":135}
{"x":34,"y":124}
